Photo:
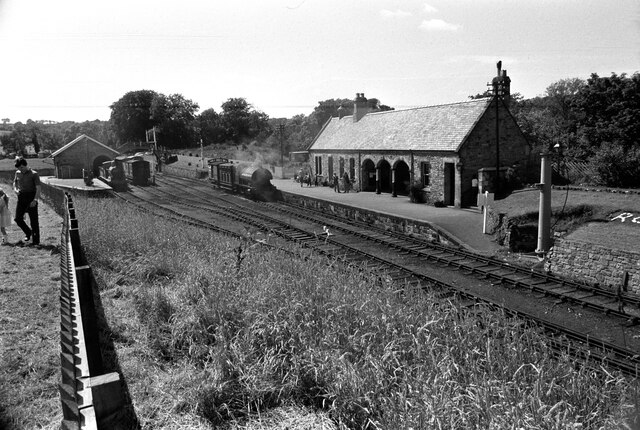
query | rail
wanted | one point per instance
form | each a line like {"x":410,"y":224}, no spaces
{"x":90,"y":397}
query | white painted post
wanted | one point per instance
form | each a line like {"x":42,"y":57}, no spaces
{"x":544,"y":213}
{"x":484,"y":216}
{"x":487,"y":200}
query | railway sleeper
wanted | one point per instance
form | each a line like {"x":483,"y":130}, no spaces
{"x":559,"y":289}
{"x":494,"y":273}
{"x":517,"y":282}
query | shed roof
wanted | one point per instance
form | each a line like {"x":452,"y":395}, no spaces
{"x":429,"y":128}
{"x":78,"y":139}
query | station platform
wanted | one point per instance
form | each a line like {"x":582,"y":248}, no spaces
{"x":463,"y":225}
{"x":75,"y":184}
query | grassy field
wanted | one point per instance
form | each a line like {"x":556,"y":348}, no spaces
{"x":8,"y":164}
{"x":219,"y":333}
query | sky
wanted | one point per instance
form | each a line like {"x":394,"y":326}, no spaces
{"x":71,"y":59}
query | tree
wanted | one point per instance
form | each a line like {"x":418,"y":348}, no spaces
{"x":211,"y":128}
{"x":131,"y":115}
{"x":610,"y":110}
{"x":562,"y":96}
{"x":550,"y":120}
{"x":329,"y":108}
{"x":99,"y":130}
{"x":241,"y":121}
{"x":608,"y":128}
{"x":484,"y":95}
{"x":175,"y":117}
{"x":616,"y":166}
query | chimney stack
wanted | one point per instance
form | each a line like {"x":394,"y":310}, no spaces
{"x":360,"y":107}
{"x":502,"y":84}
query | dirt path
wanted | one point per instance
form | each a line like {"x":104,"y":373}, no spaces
{"x":29,"y":327}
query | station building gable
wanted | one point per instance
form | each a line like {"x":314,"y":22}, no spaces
{"x":442,"y":147}
{"x":81,"y":154}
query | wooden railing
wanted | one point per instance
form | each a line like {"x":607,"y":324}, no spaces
{"x":91,"y":398}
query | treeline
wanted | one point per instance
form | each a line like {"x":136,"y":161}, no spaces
{"x":594,"y":121}
{"x":178,"y":126}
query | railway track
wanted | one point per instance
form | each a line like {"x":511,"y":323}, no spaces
{"x":396,"y":258}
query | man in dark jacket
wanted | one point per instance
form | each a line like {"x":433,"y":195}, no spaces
{"x":26,"y":184}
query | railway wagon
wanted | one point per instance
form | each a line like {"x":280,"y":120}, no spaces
{"x":136,"y":170}
{"x":112,"y":174}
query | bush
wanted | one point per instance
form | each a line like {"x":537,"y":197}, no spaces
{"x":616,"y":166}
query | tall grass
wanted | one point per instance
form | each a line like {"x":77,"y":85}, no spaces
{"x":264,"y":328}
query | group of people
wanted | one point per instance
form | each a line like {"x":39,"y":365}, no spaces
{"x":305,"y":178}
{"x":26,"y":186}
{"x":345,"y":180}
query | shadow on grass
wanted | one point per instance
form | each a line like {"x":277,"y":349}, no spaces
{"x":125,"y":418}
{"x":5,"y":422}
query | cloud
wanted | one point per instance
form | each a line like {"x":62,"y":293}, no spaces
{"x":391,"y":14}
{"x":438,"y":25}
{"x":429,"y":9}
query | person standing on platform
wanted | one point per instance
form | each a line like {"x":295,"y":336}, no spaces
{"x":26,"y":185}
{"x":336,"y":183}
{"x":347,"y":182}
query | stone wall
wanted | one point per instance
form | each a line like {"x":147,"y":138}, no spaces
{"x":413,"y":228}
{"x":594,"y":264}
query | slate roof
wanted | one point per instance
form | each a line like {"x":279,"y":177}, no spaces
{"x":78,"y":139}
{"x":430,"y":128}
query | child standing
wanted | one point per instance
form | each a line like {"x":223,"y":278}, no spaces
{"x":5,"y":215}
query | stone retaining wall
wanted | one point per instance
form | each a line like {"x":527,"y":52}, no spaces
{"x":595,"y":264}
{"x":415,"y":228}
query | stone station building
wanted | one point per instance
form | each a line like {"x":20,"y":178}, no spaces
{"x":449,"y":149}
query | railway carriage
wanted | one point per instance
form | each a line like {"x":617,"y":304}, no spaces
{"x":136,"y":169}
{"x":125,"y":168}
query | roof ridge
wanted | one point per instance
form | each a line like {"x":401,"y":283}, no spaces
{"x":486,"y":100}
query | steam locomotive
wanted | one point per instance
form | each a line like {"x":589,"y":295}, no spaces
{"x":243,"y":178}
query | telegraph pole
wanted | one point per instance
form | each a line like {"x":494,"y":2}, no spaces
{"x":281,"y":136}
{"x":497,"y":101}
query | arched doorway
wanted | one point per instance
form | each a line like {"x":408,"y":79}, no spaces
{"x":368,"y":175}
{"x":403,"y":178}
{"x":385,"y":176}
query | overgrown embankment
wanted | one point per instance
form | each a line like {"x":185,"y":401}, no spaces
{"x":213,"y":331}
{"x":514,"y":219}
